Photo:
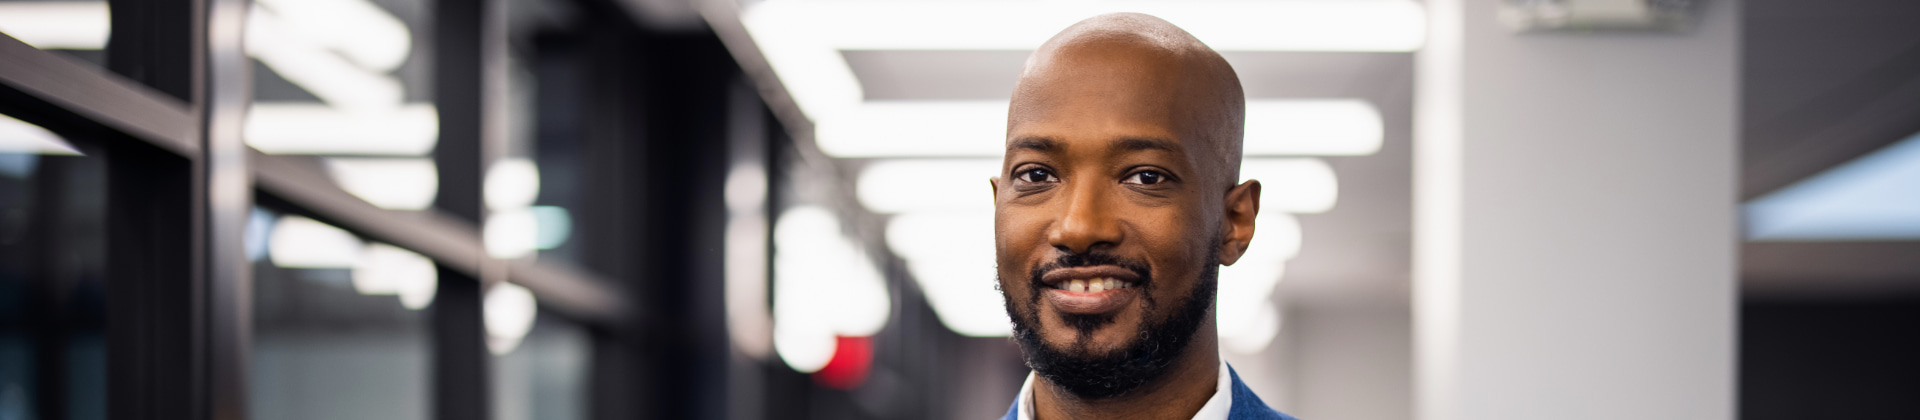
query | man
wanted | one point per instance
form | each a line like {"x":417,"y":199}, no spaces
{"x":1114,"y":210}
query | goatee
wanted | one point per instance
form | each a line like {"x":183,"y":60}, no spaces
{"x":1089,"y":374}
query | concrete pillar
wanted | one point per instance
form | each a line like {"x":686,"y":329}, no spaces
{"x":1575,"y":220}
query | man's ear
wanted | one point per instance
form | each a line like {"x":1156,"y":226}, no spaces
{"x":995,"y":183}
{"x":1243,"y":203}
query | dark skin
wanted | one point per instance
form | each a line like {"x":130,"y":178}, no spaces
{"x":1123,"y":139}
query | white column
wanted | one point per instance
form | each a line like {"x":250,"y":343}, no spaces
{"x":1575,"y":220}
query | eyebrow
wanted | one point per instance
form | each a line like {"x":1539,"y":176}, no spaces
{"x":1135,"y":144}
{"x":1038,"y":144}
{"x":1129,"y":144}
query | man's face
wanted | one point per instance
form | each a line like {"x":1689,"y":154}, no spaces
{"x":1107,"y":223}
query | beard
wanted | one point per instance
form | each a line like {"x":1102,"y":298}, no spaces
{"x":1091,"y":374}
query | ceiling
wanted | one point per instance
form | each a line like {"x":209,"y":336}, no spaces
{"x":1824,"y":83}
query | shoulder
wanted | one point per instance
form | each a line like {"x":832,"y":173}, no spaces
{"x":1247,"y":406}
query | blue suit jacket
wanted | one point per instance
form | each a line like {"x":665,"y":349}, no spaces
{"x":1246,"y":406}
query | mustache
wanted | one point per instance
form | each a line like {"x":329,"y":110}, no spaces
{"x":1087,"y":324}
{"x":1139,"y":268}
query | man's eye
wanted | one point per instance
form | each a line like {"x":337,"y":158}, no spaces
{"x":1145,"y":178}
{"x":1037,"y":175}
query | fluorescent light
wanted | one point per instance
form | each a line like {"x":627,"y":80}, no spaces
{"x":23,"y":137}
{"x":814,"y":74}
{"x":819,"y":271}
{"x":512,"y":183}
{"x":1244,"y":288}
{"x":903,"y":185}
{"x":389,"y":270}
{"x":806,"y":345}
{"x":1276,"y":238}
{"x":555,"y":226}
{"x":299,"y":128}
{"x":746,"y":188}
{"x":1258,"y":332}
{"x":509,"y":314}
{"x":824,"y":286}
{"x":358,"y":29}
{"x":1874,"y":197}
{"x":978,"y":129}
{"x":916,"y":128}
{"x":299,"y":242}
{"x":802,"y":40}
{"x":1294,"y":25}
{"x":1247,"y":286}
{"x":1339,"y":127}
{"x":309,"y":64}
{"x":1292,"y":185}
{"x":951,"y":257}
{"x":511,"y":233}
{"x":389,"y":183}
{"x":68,"y":25}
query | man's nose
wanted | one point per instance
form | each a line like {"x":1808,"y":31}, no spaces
{"x":1089,"y":222}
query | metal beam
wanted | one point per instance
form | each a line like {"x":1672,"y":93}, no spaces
{"x":227,"y":80}
{"x":1829,"y":269}
{"x":160,"y":327}
{"x":87,"y":94}
{"x":301,"y":182}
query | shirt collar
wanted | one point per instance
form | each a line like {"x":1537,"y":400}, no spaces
{"x":1216,"y":408}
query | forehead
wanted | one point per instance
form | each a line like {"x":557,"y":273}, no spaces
{"x":1102,"y":92}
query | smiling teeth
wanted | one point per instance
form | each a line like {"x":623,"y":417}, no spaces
{"x":1093,"y":286}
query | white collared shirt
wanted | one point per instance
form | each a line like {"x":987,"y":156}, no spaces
{"x":1216,"y":408}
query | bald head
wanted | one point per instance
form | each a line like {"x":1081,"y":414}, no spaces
{"x":1136,"y":69}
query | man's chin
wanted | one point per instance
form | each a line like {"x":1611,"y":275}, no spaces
{"x":1083,"y":348}
{"x":1089,"y":338}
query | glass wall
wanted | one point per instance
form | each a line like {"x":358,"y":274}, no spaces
{"x":544,"y":377}
{"x":339,"y":324}
{"x":52,"y":277}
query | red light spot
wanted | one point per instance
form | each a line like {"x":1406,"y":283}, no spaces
{"x":848,"y":368}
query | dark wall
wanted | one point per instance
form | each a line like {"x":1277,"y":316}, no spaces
{"x":1856,"y":360}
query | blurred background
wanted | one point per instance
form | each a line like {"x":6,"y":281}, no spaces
{"x":778,"y":209}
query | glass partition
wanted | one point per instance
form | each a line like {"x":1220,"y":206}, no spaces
{"x":545,"y":376}
{"x":339,"y":325}
{"x":53,"y":362}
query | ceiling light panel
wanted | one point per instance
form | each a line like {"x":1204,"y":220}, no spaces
{"x":906,"y":185}
{"x":390,"y":183}
{"x":1275,"y":127}
{"x":802,"y":40}
{"x":23,"y":137}
{"x":311,"y":128}
{"x":1288,"y":25}
{"x":1292,"y":185}
{"x":68,"y":25}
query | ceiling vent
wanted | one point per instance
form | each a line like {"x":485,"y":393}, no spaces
{"x":1599,"y":15}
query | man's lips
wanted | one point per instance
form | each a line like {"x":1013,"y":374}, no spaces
{"x":1090,"y":290}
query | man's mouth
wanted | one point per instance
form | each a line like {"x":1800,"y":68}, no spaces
{"x":1093,"y":285}
{"x":1090,"y":290}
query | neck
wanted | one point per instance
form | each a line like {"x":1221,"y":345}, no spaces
{"x":1180,"y":392}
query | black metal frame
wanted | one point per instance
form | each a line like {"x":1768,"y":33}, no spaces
{"x":165,"y":117}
